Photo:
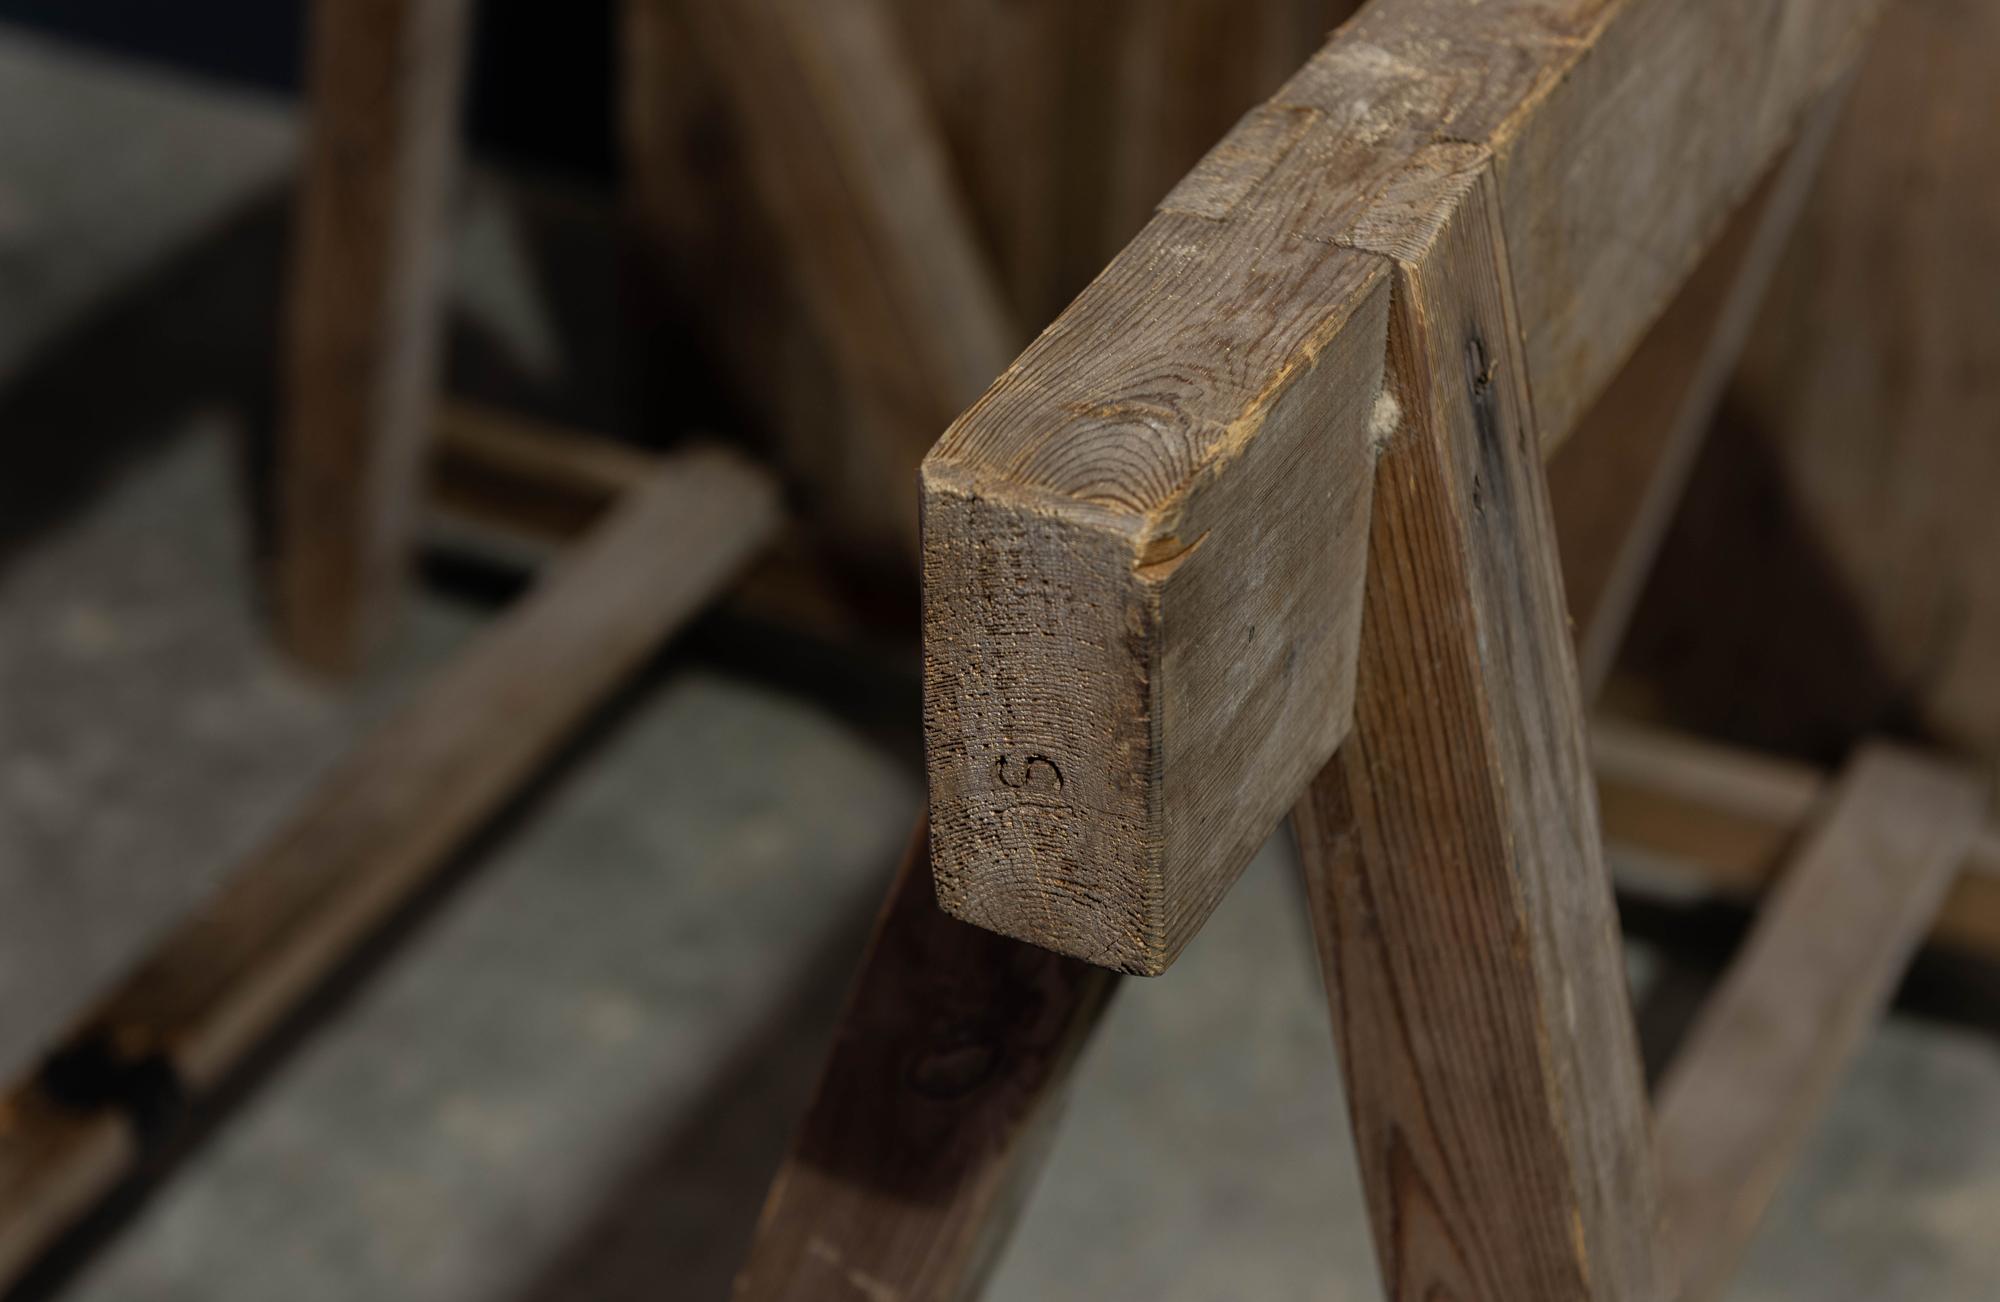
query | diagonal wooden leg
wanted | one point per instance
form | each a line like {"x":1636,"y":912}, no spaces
{"x":850,"y":167}
{"x":1451,"y":849}
{"x":363,"y":317}
{"x":1830,"y":943}
{"x":947,"y":1072}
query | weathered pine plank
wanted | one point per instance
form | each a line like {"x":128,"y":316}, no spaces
{"x":938,"y":1101}
{"x":850,"y":167}
{"x":1143,"y":545}
{"x":1452,"y":857}
{"x":1818,"y":968}
{"x":1729,"y":817}
{"x":363,"y":317}
{"x":384,"y":822}
{"x":1616,"y":481}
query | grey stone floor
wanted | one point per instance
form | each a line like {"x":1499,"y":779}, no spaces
{"x":570,"y":1078}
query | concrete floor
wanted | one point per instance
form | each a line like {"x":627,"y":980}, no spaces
{"x":572,"y":1075}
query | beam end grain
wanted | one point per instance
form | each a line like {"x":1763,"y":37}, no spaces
{"x":1818,"y":968}
{"x":1143,"y":554}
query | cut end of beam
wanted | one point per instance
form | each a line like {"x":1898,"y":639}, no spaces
{"x":1041,"y":664}
{"x":1128,"y":680}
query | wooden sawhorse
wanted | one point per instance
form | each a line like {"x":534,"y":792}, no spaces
{"x":1261,"y":522}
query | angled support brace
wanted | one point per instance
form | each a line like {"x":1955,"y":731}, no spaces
{"x":1451,"y":849}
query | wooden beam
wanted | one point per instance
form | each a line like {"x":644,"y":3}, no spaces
{"x":1616,"y":481}
{"x":374,"y":832}
{"x":937,"y":1105}
{"x":363,"y":317}
{"x":519,"y":490}
{"x":1730,"y":818}
{"x":1144,"y":545}
{"x":1236,"y":54}
{"x":1451,"y":849}
{"x":1819,"y":967}
{"x":851,"y":170}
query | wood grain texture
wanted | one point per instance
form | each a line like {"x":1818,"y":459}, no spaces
{"x":1818,"y":968}
{"x":948,"y":1069}
{"x":440,"y":767}
{"x":1451,"y":849}
{"x":1728,"y":818}
{"x":385,"y":821}
{"x":1874,"y":373}
{"x":1144,"y":544}
{"x":363,"y":317}
{"x":1616,"y":481}
{"x":855,"y":177}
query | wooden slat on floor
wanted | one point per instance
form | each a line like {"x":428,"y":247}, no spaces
{"x":1818,"y":968}
{"x":947,"y":1071}
{"x":375,"y":831}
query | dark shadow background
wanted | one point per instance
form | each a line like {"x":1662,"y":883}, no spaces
{"x":541,"y":87}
